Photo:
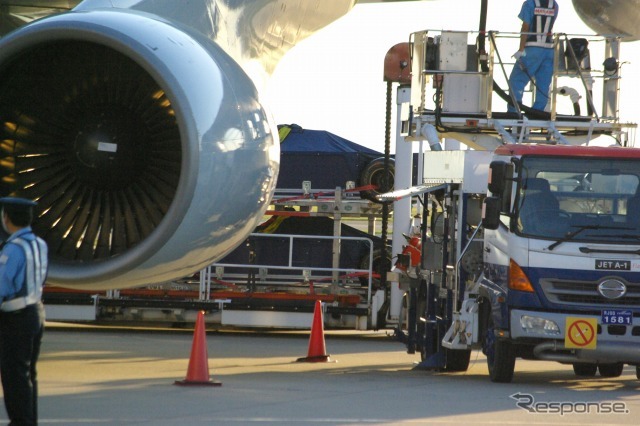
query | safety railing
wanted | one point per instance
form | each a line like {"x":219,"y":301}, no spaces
{"x":438,"y":56}
{"x":464,"y":91}
{"x":271,"y":274}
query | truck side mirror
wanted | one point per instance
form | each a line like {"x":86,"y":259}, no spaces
{"x":501,"y":182}
{"x":499,"y":172}
{"x":491,"y":212}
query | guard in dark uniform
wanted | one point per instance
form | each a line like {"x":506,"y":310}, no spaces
{"x":23,"y":270}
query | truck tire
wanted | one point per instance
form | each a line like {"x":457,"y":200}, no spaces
{"x":374,"y":174}
{"x":585,"y":369}
{"x":457,"y":360}
{"x":611,"y":370}
{"x":501,"y":358}
{"x":637,"y":372}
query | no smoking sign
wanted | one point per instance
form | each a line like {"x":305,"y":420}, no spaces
{"x":580,"y":333}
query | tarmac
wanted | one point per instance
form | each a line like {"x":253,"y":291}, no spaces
{"x":90,"y":375}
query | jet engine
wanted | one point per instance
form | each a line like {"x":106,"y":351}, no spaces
{"x":610,"y":17}
{"x":143,"y":142}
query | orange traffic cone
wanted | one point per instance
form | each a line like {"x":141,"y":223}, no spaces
{"x":317,"y":351}
{"x":198,"y":370}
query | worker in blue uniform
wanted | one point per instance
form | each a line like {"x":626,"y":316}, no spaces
{"x":23,"y":270}
{"x":534,"y":58}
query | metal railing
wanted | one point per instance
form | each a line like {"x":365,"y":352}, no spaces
{"x":464,"y":92}
{"x":207,"y":274}
{"x":436,"y":53}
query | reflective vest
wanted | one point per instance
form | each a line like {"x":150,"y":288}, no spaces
{"x":36,"y":264}
{"x":543,"y":18}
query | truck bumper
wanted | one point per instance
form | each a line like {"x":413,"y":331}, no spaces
{"x":604,"y":353}
{"x":607,"y":348}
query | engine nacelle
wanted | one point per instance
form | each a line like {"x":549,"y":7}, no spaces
{"x":610,"y":17}
{"x":143,"y":142}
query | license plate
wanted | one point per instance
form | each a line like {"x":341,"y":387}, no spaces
{"x":617,"y":317}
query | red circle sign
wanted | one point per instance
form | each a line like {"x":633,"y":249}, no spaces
{"x":581,"y":333}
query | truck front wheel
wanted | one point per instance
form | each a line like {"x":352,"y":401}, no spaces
{"x":501,"y":358}
{"x":611,"y":370}
{"x":585,"y":369}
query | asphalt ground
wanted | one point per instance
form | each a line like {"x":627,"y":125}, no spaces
{"x":125,"y":376}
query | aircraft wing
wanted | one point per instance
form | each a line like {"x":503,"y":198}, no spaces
{"x":16,"y":13}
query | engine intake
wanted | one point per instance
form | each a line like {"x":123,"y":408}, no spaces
{"x":90,"y":135}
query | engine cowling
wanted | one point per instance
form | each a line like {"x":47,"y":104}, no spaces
{"x":610,"y":17}
{"x":143,"y":142}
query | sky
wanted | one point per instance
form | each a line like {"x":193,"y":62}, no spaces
{"x":334,"y":79}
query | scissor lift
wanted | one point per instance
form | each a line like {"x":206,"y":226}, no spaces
{"x":457,"y":90}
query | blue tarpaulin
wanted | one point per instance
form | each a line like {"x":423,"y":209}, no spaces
{"x":325,"y":159}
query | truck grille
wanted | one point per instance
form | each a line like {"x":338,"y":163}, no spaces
{"x":571,"y":292}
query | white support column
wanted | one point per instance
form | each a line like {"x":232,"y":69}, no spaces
{"x":611,"y":86}
{"x":337,"y":232}
{"x":401,"y":208}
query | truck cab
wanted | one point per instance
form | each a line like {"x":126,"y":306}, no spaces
{"x":561,"y":273}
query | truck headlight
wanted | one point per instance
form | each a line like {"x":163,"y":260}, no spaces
{"x":539,"y":325}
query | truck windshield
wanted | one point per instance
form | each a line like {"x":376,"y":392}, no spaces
{"x":578,"y":199}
